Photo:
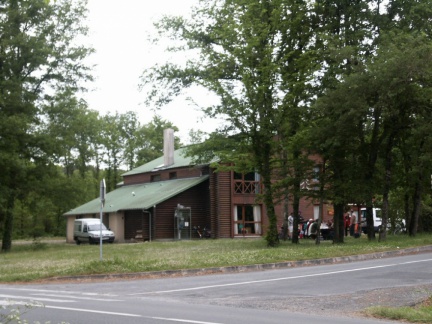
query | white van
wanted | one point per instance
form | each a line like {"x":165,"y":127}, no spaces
{"x":376,"y":212}
{"x":89,"y":230}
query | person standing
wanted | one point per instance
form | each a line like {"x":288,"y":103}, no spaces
{"x":347,"y":223}
{"x":290,"y":225}
{"x":353,"y":221}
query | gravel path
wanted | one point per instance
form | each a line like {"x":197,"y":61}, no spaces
{"x":345,"y":304}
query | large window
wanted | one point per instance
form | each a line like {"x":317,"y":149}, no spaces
{"x":247,"y":220}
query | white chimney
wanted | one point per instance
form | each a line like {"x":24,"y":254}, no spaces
{"x":168,"y":147}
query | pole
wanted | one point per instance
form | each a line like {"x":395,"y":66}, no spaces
{"x":102,"y":198}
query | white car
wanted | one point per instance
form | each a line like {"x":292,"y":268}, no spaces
{"x":89,"y":230}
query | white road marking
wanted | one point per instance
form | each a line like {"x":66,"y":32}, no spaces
{"x":77,"y":297}
{"x":182,"y":320}
{"x":130,"y":315}
{"x":37,"y":298}
{"x":277,"y":279}
{"x":57,"y":291}
{"x":93,"y":311}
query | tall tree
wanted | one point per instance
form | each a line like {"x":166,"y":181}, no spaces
{"x":250,"y":57}
{"x":296,"y":60}
{"x":38,"y":56}
{"x":114,"y":142}
{"x":381,"y":102}
{"x":344,"y":30}
{"x":71,"y":132}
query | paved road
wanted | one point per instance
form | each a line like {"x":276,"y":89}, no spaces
{"x":270,"y":296}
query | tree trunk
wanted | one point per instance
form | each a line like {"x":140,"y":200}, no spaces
{"x":296,"y":202}
{"x":8,"y":223}
{"x":370,"y":222}
{"x":296,"y":222}
{"x":416,"y":208}
{"x":272,"y":236}
{"x":285,"y":223}
{"x":387,"y":183}
{"x":339,"y":223}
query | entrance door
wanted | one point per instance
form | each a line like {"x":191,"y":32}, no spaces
{"x":136,"y":225}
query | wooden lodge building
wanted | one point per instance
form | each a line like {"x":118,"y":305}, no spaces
{"x":167,"y":197}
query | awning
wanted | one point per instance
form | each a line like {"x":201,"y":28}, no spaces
{"x":140,"y":196}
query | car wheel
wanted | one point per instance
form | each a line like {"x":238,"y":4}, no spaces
{"x":77,"y":241}
{"x":90,"y":240}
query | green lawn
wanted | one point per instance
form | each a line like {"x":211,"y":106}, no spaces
{"x":34,"y":261}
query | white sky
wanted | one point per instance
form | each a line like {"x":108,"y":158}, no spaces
{"x":119,"y":32}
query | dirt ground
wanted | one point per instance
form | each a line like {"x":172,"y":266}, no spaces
{"x":345,"y":304}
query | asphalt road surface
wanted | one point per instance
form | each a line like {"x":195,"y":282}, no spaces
{"x":290,"y":295}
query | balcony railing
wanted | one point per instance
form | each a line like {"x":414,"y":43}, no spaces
{"x":247,"y":187}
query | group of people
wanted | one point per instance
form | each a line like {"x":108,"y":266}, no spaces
{"x":308,"y":229}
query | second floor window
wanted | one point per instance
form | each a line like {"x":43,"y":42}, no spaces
{"x":246,"y":183}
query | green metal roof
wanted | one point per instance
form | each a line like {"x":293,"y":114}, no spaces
{"x":140,"y":196}
{"x":179,"y":161}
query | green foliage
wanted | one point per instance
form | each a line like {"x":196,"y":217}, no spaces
{"x":426,"y":218}
{"x":39,"y":58}
{"x":259,"y":59}
{"x":12,"y":312}
{"x":351,"y":83}
{"x":418,"y":314}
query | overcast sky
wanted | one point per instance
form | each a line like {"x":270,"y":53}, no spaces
{"x":119,"y":32}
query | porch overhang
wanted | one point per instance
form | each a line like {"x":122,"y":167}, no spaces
{"x":140,"y":196}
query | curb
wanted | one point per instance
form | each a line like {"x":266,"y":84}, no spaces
{"x":245,"y":268}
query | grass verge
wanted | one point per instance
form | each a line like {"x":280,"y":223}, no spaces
{"x":419,"y":314}
{"x":28,"y":262}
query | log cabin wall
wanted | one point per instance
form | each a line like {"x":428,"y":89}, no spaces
{"x":224,"y":205}
{"x":197,"y":198}
{"x":136,"y":225}
{"x":168,"y":174}
{"x":213,"y":195}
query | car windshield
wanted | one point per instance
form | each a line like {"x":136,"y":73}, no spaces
{"x":96,"y":227}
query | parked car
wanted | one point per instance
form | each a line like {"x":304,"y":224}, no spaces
{"x":89,"y":230}
{"x":400,"y":226}
{"x":376,"y":213}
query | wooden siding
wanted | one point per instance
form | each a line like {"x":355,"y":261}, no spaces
{"x":213,"y":208}
{"x":181,"y":173}
{"x":224,"y":205}
{"x":197,"y":198}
